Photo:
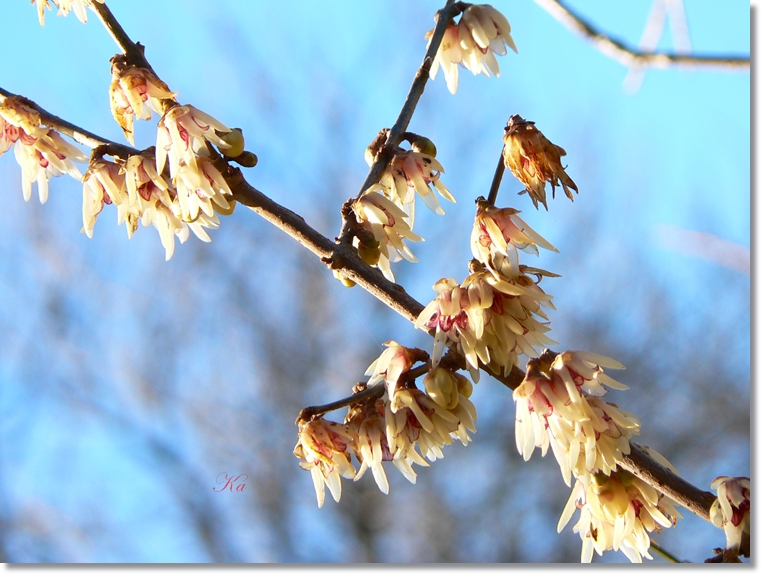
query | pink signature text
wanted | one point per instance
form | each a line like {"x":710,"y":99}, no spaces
{"x":230,"y":482}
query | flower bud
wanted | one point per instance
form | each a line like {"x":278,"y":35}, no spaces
{"x":369,"y":255}
{"x":424,"y":146}
{"x":346,"y":281}
{"x":236,"y":141}
{"x":465,"y":387}
{"x":225,"y":211}
{"x":247,"y":159}
{"x":442,"y":387}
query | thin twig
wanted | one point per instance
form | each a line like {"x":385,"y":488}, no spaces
{"x":309,"y":412}
{"x":496,"y":179}
{"x":394,"y":135}
{"x":133,"y":50}
{"x":629,"y":56}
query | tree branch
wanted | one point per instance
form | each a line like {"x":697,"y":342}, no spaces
{"x":346,"y":259}
{"x":394,"y":135}
{"x":628,"y":56}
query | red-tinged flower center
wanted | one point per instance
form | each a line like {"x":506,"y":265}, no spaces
{"x":740,"y":511}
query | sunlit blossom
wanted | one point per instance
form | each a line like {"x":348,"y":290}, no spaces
{"x":103,"y":183}
{"x":616,"y":512}
{"x":534,"y":160}
{"x":497,"y":235}
{"x":473,"y":43}
{"x":411,"y":172}
{"x":489,"y":319}
{"x":64,"y":7}
{"x":133,"y":93}
{"x":182,"y":135}
{"x":731,"y":511}
{"x":562,"y":409}
{"x":322,"y":446}
{"x":389,"y":228}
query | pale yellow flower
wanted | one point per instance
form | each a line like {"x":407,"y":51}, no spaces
{"x":323,"y":446}
{"x":64,"y":7}
{"x":387,"y":223}
{"x":534,"y":160}
{"x":586,"y":434}
{"x":472,"y":43}
{"x":182,"y":135}
{"x":394,"y":361}
{"x":103,"y":184}
{"x":731,"y":511}
{"x":497,"y":235}
{"x":133,"y":93}
{"x":616,"y":512}
{"x":411,"y":172}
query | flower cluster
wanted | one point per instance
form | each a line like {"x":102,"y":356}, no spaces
{"x":388,"y":229}
{"x":134,"y":92}
{"x":498,"y":234}
{"x":142,"y":194}
{"x":64,"y":7}
{"x":472,"y":43}
{"x":405,"y":425}
{"x":562,"y":409}
{"x":617,"y":511}
{"x":559,"y":405}
{"x":40,"y":151}
{"x":534,"y":160}
{"x":731,"y":511}
{"x":387,"y":208}
{"x":488,"y":319}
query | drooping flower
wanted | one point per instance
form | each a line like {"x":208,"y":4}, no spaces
{"x":489,"y":319}
{"x":534,"y":160}
{"x":199,"y":189}
{"x":43,"y":157}
{"x":395,"y":360}
{"x":64,"y":7}
{"x":472,"y":43}
{"x":367,"y":424}
{"x":731,"y":511}
{"x":497,"y":235}
{"x":134,"y":92}
{"x":561,"y":408}
{"x":411,"y":172}
{"x":386,"y":222}
{"x":8,"y":135}
{"x":617,"y":511}
{"x":182,"y":135}
{"x":322,"y":446}
{"x":103,"y":184}
{"x":40,"y":151}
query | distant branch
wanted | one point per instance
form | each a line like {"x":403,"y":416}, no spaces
{"x":631,"y":56}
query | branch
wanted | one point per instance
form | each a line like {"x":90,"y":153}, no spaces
{"x":345,"y":258}
{"x":134,"y":51}
{"x":632,"y":57}
{"x":394,"y":135}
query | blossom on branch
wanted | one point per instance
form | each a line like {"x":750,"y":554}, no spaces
{"x":472,"y":43}
{"x":534,"y":160}
{"x":104,"y":183}
{"x":43,"y":157}
{"x":134,"y":92}
{"x":488,"y":319}
{"x":40,"y":151}
{"x":64,"y":7}
{"x":617,"y":511}
{"x":385,"y":221}
{"x":731,"y":511}
{"x":560,"y":407}
{"x":183,"y":133}
{"x":322,"y":446}
{"x":497,"y":235}
{"x":410,"y":172}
